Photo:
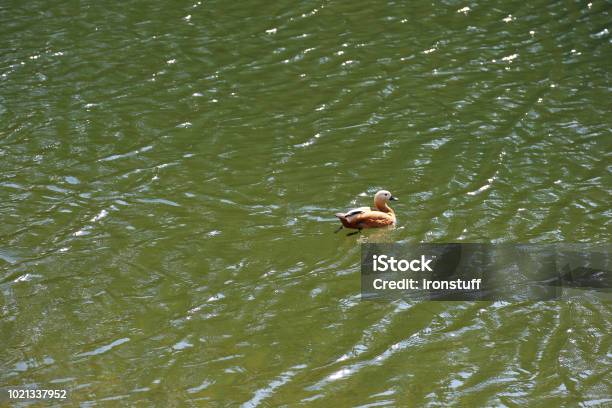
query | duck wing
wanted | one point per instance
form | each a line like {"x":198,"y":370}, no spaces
{"x":356,"y":211}
{"x":373,"y":219}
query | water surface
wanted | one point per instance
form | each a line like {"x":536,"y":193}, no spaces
{"x":169,"y":175}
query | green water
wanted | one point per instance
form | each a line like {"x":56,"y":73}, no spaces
{"x":169,"y":173}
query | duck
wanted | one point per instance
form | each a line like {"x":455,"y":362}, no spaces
{"x":365,"y":217}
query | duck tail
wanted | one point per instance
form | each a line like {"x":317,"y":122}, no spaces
{"x":343,"y":219}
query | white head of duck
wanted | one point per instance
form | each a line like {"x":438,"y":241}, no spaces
{"x":365,"y":217}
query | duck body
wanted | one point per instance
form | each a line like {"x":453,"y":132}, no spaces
{"x":365,"y":217}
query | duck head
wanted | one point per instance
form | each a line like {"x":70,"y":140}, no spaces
{"x":381,"y":200}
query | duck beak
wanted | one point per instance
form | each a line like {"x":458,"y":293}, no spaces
{"x":393,"y":198}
